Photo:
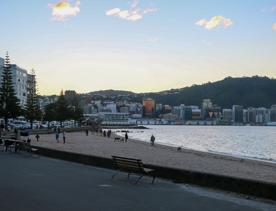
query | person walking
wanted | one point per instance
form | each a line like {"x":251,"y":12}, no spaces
{"x":126,"y":137}
{"x":37,"y":137}
{"x":108,"y":133}
{"x":57,"y":137}
{"x":152,"y":140}
{"x":2,"y":127}
{"x":64,"y":137}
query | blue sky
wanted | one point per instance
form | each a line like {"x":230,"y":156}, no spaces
{"x":146,"y":45}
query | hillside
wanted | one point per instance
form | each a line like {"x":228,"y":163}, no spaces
{"x":111,"y":92}
{"x":247,"y":91}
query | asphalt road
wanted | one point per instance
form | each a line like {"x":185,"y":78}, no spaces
{"x":34,"y":183}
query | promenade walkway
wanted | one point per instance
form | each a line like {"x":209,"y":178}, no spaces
{"x":164,"y":156}
{"x":35,"y":183}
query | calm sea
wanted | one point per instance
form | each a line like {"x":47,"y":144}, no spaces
{"x":253,"y":142}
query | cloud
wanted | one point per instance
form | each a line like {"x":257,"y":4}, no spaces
{"x":134,"y":13}
{"x":64,"y":9}
{"x":215,"y":22}
{"x":274,"y":26}
{"x":269,"y":9}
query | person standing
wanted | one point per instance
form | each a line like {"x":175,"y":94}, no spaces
{"x":1,"y":129}
{"x":64,"y":137}
{"x":37,"y":137}
{"x":126,"y":137}
{"x":86,"y":132}
{"x":57,"y":137}
{"x":108,"y":133}
{"x":152,"y":140}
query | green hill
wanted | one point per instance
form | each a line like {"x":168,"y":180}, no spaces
{"x":247,"y":91}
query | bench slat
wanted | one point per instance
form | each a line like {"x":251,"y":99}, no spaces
{"x":124,"y":158}
{"x":129,"y":162}
{"x":132,"y":165}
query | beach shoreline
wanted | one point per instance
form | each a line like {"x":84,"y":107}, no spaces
{"x":163,"y":155}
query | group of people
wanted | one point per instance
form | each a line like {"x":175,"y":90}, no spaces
{"x":107,"y":133}
{"x":57,"y":134}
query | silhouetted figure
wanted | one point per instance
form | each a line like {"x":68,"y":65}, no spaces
{"x":104,"y":133}
{"x":57,"y":137}
{"x":108,"y":133}
{"x":58,"y":130}
{"x":152,"y":140}
{"x":63,"y":137}
{"x":86,"y":132}
{"x":37,"y":137}
{"x":2,"y":126}
{"x":126,"y":137}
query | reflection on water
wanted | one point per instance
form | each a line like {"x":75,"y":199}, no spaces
{"x":254,"y":142}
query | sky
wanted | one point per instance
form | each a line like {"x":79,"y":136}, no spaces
{"x":138,"y":45}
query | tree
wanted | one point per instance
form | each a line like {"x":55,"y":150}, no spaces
{"x":32,"y":110}
{"x":63,"y":111}
{"x":50,"y":113}
{"x":9,"y":103}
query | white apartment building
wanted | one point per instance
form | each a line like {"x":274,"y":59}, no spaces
{"x":19,"y":77}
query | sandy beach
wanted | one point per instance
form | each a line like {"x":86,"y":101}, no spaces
{"x":160,"y":155}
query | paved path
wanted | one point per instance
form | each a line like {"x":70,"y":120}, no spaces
{"x":29,"y":183}
{"x":164,"y":156}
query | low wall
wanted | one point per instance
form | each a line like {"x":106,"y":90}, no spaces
{"x":237,"y":185}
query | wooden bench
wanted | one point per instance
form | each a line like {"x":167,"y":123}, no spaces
{"x":17,"y":145}
{"x":132,"y":166}
{"x":8,"y":144}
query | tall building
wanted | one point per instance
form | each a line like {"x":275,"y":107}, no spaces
{"x":251,"y":115}
{"x":273,"y":113}
{"x":227,"y":115}
{"x":206,"y":106}
{"x":245,"y":116}
{"x":109,"y":106}
{"x":148,"y":107}
{"x":206,"y":103}
{"x":176,"y":110}
{"x":187,"y":113}
{"x":196,"y":114}
{"x":237,"y":114}
{"x":20,"y":79}
{"x":262,"y":115}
